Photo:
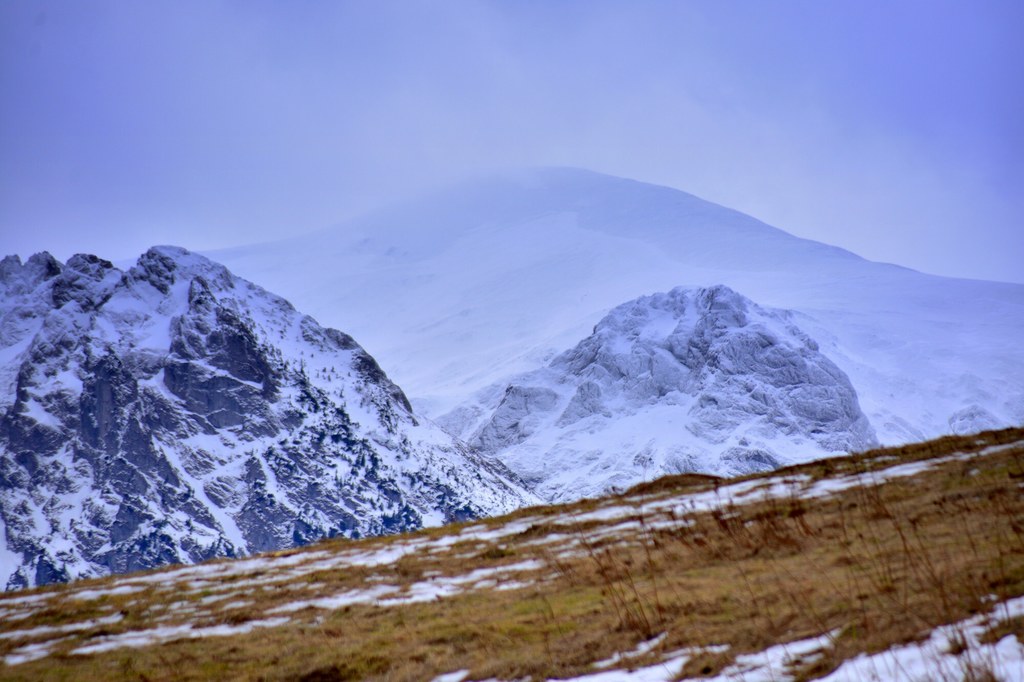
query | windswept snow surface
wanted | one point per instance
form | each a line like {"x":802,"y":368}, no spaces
{"x":463,"y":289}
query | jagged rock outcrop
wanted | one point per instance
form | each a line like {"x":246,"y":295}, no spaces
{"x":174,"y":413}
{"x":693,"y":380}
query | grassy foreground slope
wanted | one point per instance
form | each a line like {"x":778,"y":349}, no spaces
{"x":902,"y":563}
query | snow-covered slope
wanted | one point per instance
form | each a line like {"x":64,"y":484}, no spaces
{"x":699,"y":380}
{"x":466,"y":288}
{"x":174,"y":412}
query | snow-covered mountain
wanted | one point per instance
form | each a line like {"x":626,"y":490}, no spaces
{"x":467,"y":288}
{"x":173,"y":412}
{"x":699,"y":380}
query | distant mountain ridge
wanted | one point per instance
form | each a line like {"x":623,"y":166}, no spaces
{"x":173,"y":412}
{"x":468,"y":287}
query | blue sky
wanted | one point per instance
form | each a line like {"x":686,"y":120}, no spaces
{"x":894,"y":129}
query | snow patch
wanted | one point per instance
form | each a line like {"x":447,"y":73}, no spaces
{"x":152,"y":636}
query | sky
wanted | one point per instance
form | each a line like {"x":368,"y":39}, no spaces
{"x":894,"y":129}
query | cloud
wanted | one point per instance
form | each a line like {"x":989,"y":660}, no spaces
{"x":894,"y":130}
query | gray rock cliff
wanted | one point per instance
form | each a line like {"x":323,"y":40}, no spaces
{"x":173,"y":413}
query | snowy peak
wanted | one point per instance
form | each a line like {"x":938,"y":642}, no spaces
{"x":692,"y":380}
{"x":174,"y":412}
{"x":735,"y":356}
{"x":602,"y":204}
{"x":683,"y":339}
{"x":469,"y":287}
{"x":18,"y":277}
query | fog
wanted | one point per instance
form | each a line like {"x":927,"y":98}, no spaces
{"x":895,"y":130}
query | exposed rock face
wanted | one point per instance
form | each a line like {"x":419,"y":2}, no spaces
{"x":174,"y":412}
{"x":699,"y":380}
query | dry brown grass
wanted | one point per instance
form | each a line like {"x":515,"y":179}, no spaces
{"x":876,"y":564}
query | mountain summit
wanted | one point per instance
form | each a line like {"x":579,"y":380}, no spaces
{"x":692,"y":380}
{"x":173,"y":412}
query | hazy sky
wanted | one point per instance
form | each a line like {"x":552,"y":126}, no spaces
{"x":892,"y":128}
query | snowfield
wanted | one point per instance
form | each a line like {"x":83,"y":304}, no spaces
{"x":467,"y":288}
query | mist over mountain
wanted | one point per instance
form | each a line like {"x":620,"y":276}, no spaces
{"x":463,"y":289}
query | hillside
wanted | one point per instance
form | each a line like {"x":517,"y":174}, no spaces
{"x":894,"y":564}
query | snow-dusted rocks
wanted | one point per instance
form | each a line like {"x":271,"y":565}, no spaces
{"x":173,"y":412}
{"x":693,"y":380}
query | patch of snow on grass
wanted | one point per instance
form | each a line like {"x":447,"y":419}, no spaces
{"x":143,"y":638}
{"x":439,"y":588}
{"x":666,"y":671}
{"x":85,"y":595}
{"x":640,"y":650}
{"x":424,"y":591}
{"x":44,"y":630}
{"x":31,"y":652}
{"x":456,"y":676}
{"x":347,"y":598}
{"x":28,"y":599}
{"x":951,"y":652}
{"x":771,"y":664}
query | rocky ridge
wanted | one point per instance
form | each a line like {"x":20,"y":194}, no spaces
{"x":173,"y":412}
{"x":692,"y":380}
